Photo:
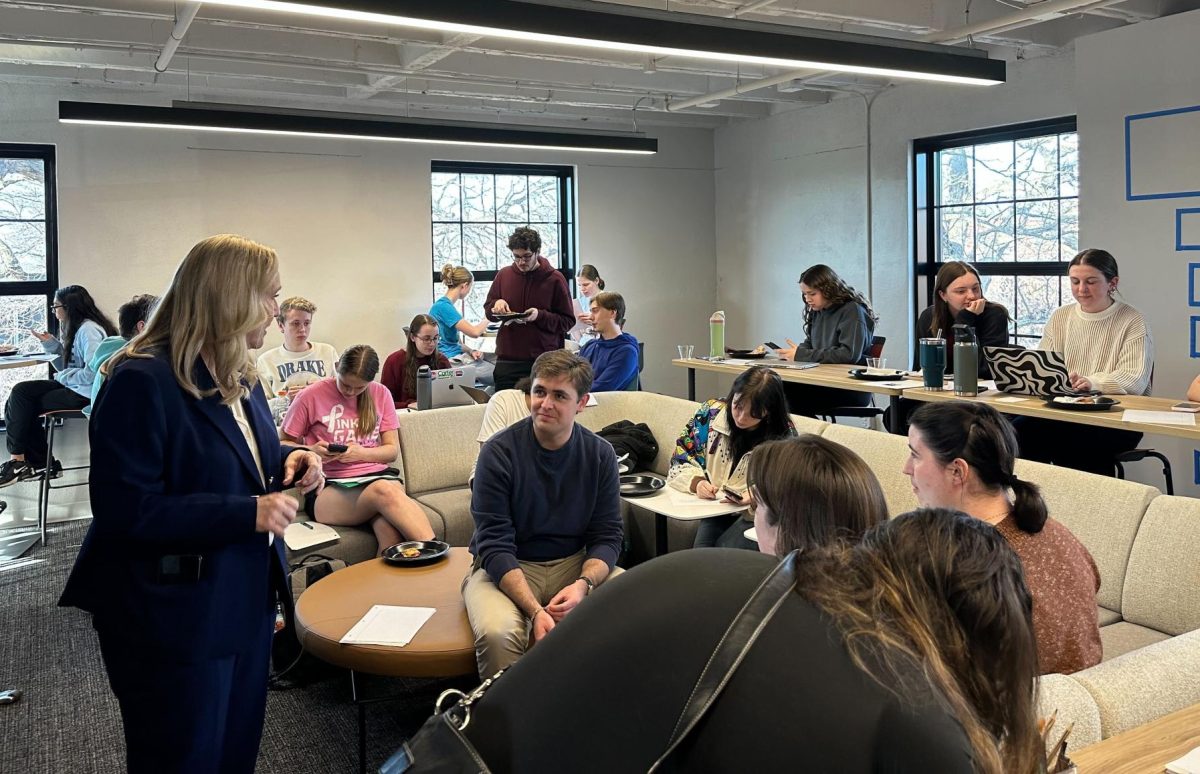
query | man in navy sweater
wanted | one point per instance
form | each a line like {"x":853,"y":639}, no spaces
{"x":546,"y":504}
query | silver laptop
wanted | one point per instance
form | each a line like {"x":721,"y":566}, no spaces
{"x":446,"y":387}
{"x":1021,"y":371}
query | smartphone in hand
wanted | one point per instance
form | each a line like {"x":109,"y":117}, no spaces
{"x":772,"y":345}
{"x":733,"y":494}
{"x":338,"y":448}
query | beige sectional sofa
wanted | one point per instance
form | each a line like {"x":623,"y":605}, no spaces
{"x":1146,"y":546}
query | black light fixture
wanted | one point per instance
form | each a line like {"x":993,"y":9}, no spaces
{"x":353,"y":126}
{"x":658,"y":33}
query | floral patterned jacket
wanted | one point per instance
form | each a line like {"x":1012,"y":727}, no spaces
{"x":706,"y":445}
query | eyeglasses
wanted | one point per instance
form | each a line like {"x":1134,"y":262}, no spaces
{"x":428,"y":339}
{"x":57,"y":306}
{"x":522,"y":258}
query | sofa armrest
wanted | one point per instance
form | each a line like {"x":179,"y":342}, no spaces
{"x":1065,"y":696}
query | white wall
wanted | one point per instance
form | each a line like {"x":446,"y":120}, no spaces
{"x":1144,"y":68}
{"x":351,"y":219}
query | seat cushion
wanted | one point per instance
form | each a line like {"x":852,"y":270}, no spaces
{"x":354,"y":544}
{"x":453,"y":509}
{"x":438,"y":447}
{"x":1162,"y":583}
{"x":1073,"y":703}
{"x":1107,"y":617}
{"x":1141,"y":686}
{"x":1123,"y":637}
{"x":885,"y":454}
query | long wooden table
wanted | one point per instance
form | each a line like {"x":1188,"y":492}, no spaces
{"x":826,"y":375}
{"x":1146,"y":749}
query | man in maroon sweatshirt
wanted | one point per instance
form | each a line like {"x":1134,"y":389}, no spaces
{"x":535,"y":288}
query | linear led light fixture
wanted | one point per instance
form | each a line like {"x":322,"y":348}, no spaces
{"x":347,"y":126}
{"x":658,"y":33}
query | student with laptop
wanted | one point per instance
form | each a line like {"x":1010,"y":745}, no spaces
{"x":958,"y":299}
{"x":1107,"y":347}
{"x":400,"y":368}
{"x":459,"y":281}
{"x":614,"y":354}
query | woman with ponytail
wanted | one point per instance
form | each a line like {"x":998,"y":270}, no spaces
{"x":358,"y":413}
{"x":590,"y":284}
{"x":962,"y":456}
{"x":445,"y":311}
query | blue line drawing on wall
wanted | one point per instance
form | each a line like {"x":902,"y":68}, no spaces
{"x":1195,"y":327}
{"x":1193,"y":214}
{"x":1196,"y":465}
{"x":1129,"y":195}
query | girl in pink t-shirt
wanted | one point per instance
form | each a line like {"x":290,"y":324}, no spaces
{"x":352,"y":410}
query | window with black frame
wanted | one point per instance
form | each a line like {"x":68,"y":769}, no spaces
{"x":28,"y":254}
{"x":476,"y":207}
{"x":1007,"y":201}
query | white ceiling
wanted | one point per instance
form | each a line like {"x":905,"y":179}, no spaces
{"x":237,"y":56}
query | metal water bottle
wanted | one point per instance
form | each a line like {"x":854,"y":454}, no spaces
{"x":424,"y":389}
{"x":966,"y":361}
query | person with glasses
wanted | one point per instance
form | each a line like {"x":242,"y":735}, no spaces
{"x":353,"y":410}
{"x":537,"y":292}
{"x":400,"y":368}
{"x":82,"y":326}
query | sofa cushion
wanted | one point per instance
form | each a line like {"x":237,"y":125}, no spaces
{"x":808,"y":424}
{"x":664,"y":415}
{"x":1122,"y":637}
{"x":1146,"y":684}
{"x":1107,"y":617}
{"x":1073,"y":703}
{"x":1162,"y":583}
{"x":354,"y":544}
{"x":885,"y":454}
{"x":1104,"y":513}
{"x":438,"y":447}
{"x":453,"y":509}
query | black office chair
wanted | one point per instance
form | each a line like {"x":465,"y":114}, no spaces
{"x":861,"y":412}
{"x":635,"y":384}
{"x":51,"y":420}
{"x":1137,"y":455}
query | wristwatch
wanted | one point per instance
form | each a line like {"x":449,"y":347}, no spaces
{"x":590,"y":584}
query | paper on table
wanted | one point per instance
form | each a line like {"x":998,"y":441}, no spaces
{"x":1002,"y":398}
{"x":1188,"y":764}
{"x":306,"y":534}
{"x":1159,"y":417}
{"x":904,"y":384}
{"x":388,"y":625}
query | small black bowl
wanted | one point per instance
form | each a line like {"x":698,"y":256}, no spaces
{"x":640,"y":485}
{"x":430,"y":551}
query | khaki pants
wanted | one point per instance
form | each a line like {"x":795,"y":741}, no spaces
{"x":501,"y":629}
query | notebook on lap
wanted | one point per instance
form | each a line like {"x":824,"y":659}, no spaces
{"x":1029,"y":371}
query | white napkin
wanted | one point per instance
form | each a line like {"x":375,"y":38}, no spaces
{"x":1188,"y":764}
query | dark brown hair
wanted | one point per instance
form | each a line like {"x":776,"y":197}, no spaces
{"x":411,"y":353}
{"x":613,"y":302}
{"x":525,"y":238}
{"x":835,"y":289}
{"x":135,"y":310}
{"x":1101,"y":260}
{"x":942,"y":318}
{"x":978,"y":435}
{"x":763,"y":388}
{"x":588,"y":271}
{"x":560,"y":362}
{"x":816,"y":492}
{"x":940,"y":596}
{"x":80,"y":307}
{"x":362,"y":362}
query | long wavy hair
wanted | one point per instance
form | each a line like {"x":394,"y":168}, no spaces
{"x":362,"y":362}
{"x":410,"y":361}
{"x":214,"y":300}
{"x":80,"y":308}
{"x":836,"y":291}
{"x":940,"y":596}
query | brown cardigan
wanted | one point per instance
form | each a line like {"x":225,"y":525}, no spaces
{"x":1063,"y":579}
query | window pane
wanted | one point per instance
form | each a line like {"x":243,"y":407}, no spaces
{"x":478,"y":198}
{"x":479,"y":246}
{"x":957,"y":241}
{"x":1037,"y":297}
{"x":955,"y":182}
{"x":1000,"y":289}
{"x":994,"y":232}
{"x":446,"y":205}
{"x":1037,"y":231}
{"x":22,"y":252}
{"x":512,"y":199}
{"x":994,"y":172}
{"x":1068,"y":164}
{"x":17,"y":315}
{"x":473,"y":306}
{"x":543,"y":199}
{"x":1070,"y":227}
{"x":22,"y":189}
{"x":447,"y":245}
{"x":1037,"y":167}
{"x":549,"y":233}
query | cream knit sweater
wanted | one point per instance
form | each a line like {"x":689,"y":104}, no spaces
{"x":1113,"y":348}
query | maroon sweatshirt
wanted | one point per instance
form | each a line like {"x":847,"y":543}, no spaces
{"x":404,"y":393}
{"x":544,"y":289}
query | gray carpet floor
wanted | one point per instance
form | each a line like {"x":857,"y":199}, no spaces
{"x":68,"y":720}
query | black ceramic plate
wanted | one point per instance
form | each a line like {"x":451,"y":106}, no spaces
{"x":511,"y":316}
{"x":744,"y":354}
{"x":429,"y":551}
{"x":640,"y":485}
{"x":890,"y":376}
{"x":1101,"y":404}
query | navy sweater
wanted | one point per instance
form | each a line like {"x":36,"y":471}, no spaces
{"x":534,"y":505}
{"x":614,"y":362}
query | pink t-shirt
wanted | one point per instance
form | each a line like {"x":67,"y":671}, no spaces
{"x":322,"y":413}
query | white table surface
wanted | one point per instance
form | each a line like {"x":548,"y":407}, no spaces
{"x":751,"y":534}
{"x":684,"y":507}
{"x":24,"y":361}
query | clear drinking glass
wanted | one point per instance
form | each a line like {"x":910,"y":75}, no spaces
{"x":685,"y":351}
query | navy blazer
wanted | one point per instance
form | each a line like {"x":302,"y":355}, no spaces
{"x":172,"y":475}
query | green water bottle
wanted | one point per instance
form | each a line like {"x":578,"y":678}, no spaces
{"x":716,"y":334}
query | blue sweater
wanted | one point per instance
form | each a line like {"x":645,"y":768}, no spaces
{"x":614,"y":361}
{"x":534,"y":505}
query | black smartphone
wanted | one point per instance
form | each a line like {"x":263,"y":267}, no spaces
{"x":337,"y":448}
{"x":772,"y":345}
{"x":733,"y":494}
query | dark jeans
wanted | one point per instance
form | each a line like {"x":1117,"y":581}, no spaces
{"x":810,"y":401}
{"x":509,"y":372}
{"x":1070,"y":445}
{"x":727,"y":531}
{"x":25,"y":434}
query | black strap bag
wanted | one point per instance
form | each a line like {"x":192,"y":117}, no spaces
{"x":440,"y":747}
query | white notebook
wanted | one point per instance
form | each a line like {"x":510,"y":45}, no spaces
{"x":306,"y":534}
{"x":388,"y":625}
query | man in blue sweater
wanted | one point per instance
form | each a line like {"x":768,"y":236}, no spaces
{"x":614,"y":354}
{"x":546,"y":504}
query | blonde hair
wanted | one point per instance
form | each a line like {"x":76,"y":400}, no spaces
{"x":299,"y":303}
{"x":453,"y":276}
{"x":214,"y":300}
{"x":363,"y":362}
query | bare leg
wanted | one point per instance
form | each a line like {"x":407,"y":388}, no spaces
{"x":385,"y":533}
{"x":388,"y":499}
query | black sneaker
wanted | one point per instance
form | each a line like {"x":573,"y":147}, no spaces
{"x":35,"y":473}
{"x":13,"y":471}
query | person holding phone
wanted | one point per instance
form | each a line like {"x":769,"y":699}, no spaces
{"x":713,"y":452}
{"x":350,"y":422}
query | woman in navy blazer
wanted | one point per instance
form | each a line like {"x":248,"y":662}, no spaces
{"x":183,"y":565}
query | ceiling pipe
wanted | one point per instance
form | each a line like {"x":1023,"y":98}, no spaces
{"x":1032,"y":15}
{"x":184,"y":20}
